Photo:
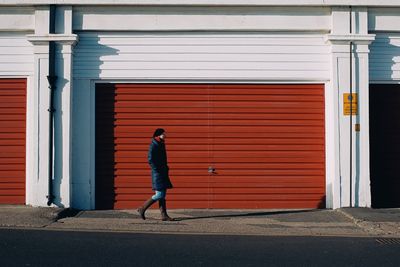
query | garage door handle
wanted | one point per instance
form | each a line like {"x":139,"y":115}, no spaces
{"x":211,"y":170}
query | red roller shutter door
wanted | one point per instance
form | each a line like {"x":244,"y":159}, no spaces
{"x":12,"y":140}
{"x":265,"y":142}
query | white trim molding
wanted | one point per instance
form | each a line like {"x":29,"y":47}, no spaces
{"x":347,"y":38}
{"x":380,"y":3}
{"x":65,"y":39}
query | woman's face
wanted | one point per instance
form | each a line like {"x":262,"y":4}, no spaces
{"x":163,"y":136}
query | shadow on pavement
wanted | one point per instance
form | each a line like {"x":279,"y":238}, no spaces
{"x":247,"y":214}
{"x":66,"y":213}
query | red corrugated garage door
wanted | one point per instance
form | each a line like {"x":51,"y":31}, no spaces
{"x":12,"y":140}
{"x":266,"y":144}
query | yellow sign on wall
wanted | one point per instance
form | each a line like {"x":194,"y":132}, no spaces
{"x":353,"y":99}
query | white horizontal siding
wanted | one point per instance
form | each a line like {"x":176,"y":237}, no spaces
{"x":17,"y":18}
{"x":16,"y":55}
{"x":202,"y":56}
{"x":184,"y":18}
{"x":383,"y":19}
{"x":385,"y":58}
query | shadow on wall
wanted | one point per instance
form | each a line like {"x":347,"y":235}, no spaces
{"x":104,"y":143}
{"x":88,"y":59}
{"x":322,"y":203}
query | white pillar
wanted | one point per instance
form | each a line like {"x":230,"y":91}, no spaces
{"x":38,"y":185}
{"x":62,"y":125}
{"x":340,"y":39}
{"x":37,"y":182}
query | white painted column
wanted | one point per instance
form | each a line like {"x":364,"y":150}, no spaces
{"x":38,"y":180}
{"x":361,"y":180}
{"x":38,"y":183}
{"x":359,"y":185}
{"x":62,"y":125}
{"x":62,"y":122}
{"x":66,"y":41}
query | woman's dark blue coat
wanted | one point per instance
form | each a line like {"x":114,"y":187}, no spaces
{"x":159,"y":166}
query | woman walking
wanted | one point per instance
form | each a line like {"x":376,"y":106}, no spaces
{"x":157,"y":158}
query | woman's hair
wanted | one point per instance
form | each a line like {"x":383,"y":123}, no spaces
{"x":158,"y":132}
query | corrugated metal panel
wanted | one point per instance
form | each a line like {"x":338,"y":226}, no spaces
{"x":16,"y":55}
{"x":12,"y":140}
{"x":266,"y":142}
{"x":385,"y":57}
{"x":203,"y":56}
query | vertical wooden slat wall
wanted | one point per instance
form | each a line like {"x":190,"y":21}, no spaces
{"x":265,"y":142}
{"x":12,"y":140}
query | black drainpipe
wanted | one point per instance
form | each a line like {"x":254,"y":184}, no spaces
{"x":351,"y":112}
{"x":52,"y":86}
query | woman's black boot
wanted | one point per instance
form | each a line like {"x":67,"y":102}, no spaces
{"x":145,"y":206}
{"x":163,"y":208}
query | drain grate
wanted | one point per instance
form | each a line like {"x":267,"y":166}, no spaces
{"x":388,"y":241}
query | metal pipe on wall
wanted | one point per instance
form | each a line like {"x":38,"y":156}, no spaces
{"x":52,"y":78}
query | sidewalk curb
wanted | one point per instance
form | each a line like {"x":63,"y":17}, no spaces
{"x":343,"y":222}
{"x":356,"y":221}
{"x":143,"y":232}
{"x":373,"y":228}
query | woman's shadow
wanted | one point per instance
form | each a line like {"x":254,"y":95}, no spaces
{"x":196,"y":215}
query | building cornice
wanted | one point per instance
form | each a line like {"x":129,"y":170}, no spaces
{"x":347,"y":38}
{"x":370,"y":3}
{"x":66,"y":39}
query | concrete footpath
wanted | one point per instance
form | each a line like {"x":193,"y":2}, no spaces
{"x":341,"y":222}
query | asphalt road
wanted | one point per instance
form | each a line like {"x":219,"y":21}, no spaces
{"x":62,"y":248}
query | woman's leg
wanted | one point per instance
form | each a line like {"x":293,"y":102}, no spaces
{"x":163,"y":208}
{"x":157,"y":196}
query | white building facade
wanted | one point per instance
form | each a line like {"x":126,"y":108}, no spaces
{"x":342,"y":46}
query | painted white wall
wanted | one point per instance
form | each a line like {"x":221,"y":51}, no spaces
{"x":384,"y":19}
{"x":385,"y":57}
{"x":219,"y":56}
{"x":17,"y":19}
{"x":220,"y":44}
{"x":165,"y":18}
{"x":16,"y":55}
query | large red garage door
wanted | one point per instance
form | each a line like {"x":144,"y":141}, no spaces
{"x":229,"y":146}
{"x":12,"y":140}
